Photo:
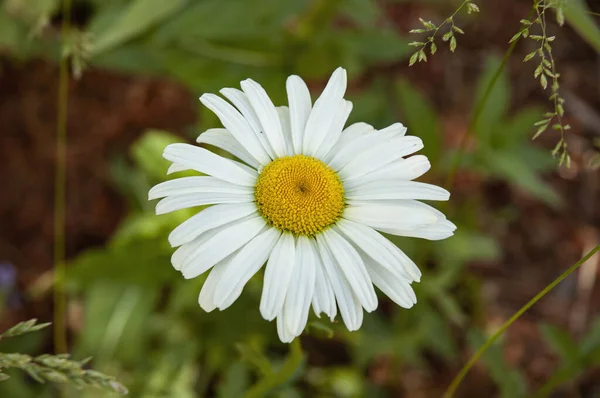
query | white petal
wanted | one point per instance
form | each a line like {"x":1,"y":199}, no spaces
{"x":396,"y":129}
{"x":350,"y":308}
{"x":401,"y":169}
{"x":240,"y":100}
{"x":322,"y":114}
{"x":441,"y":230}
{"x":173,"y":203}
{"x":324,"y":298}
{"x":182,"y":253}
{"x":187,"y":185}
{"x":352,"y":266}
{"x":396,"y":189}
{"x":267,"y":115}
{"x":396,"y":288}
{"x":351,"y":148}
{"x":278,"y":274}
{"x":389,"y":216}
{"x":300,"y":106}
{"x":383,"y":152}
{"x":243,"y":266}
{"x":284,"y":117}
{"x":220,"y":246}
{"x":237,"y":125}
{"x":300,"y":292}
{"x":209,"y":218}
{"x":223,"y":139}
{"x":206,"y":162}
{"x":205,"y":299}
{"x":175,"y":168}
{"x":348,"y":135}
{"x":340,"y":118}
{"x":369,"y":241}
{"x":282,"y":332}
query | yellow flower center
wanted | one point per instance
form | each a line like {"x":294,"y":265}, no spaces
{"x":299,"y":194}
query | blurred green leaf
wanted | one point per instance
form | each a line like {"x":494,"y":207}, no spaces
{"x":562,"y":343}
{"x":420,"y":118}
{"x":578,"y":16}
{"x":139,"y":16}
{"x":497,"y":103}
{"x":516,"y":170}
{"x":236,"y":381}
{"x":591,"y":341}
{"x":147,"y":153}
{"x":116,"y":321}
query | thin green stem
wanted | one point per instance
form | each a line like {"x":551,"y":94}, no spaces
{"x":463,"y":372}
{"x":60,"y":179}
{"x":280,"y":377}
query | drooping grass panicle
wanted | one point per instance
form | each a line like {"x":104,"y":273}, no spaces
{"x":432,"y":30}
{"x":53,"y":368}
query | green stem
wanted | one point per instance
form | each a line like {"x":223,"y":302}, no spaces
{"x":280,"y":377}
{"x":60,"y":179}
{"x":463,"y":372}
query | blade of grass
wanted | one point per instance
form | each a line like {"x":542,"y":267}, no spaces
{"x":463,"y":372}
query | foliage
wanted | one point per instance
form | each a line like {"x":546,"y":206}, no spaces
{"x":53,"y":368}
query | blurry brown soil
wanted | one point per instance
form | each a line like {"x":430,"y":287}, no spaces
{"x":107,"y":112}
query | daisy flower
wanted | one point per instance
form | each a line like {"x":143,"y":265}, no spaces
{"x":307,"y":197}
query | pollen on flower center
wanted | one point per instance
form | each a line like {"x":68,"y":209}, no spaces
{"x":299,"y":194}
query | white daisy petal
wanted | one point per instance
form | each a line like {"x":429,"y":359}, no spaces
{"x":300,"y":293}
{"x":321,"y":116}
{"x":284,"y":117}
{"x":187,"y":185}
{"x":239,"y":99}
{"x":353,"y":268}
{"x":220,"y":246}
{"x":350,"y":308}
{"x":335,"y":129}
{"x":300,"y":106}
{"x":267,"y":115}
{"x":389,"y":217}
{"x":205,"y":299}
{"x":206,"y":162}
{"x":368,"y":240}
{"x":441,"y":230}
{"x":237,"y":125}
{"x":379,"y":155}
{"x":396,"y":189}
{"x":209,"y":218}
{"x":396,"y":288}
{"x":324,"y":298}
{"x":223,"y":139}
{"x":349,"y":134}
{"x":278,"y":274}
{"x":175,"y":168}
{"x":243,"y":266}
{"x":282,"y":332}
{"x":173,"y":203}
{"x":396,"y":129}
{"x":401,"y":169}
{"x":183,"y":252}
